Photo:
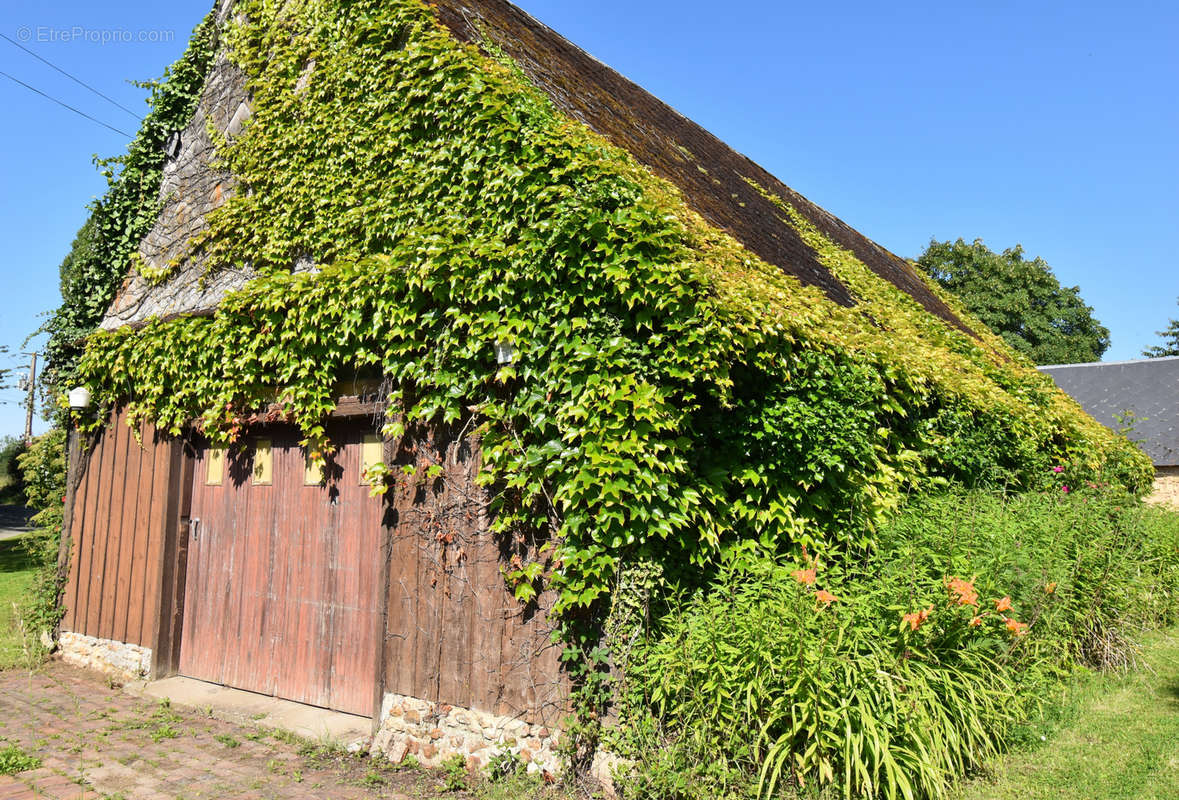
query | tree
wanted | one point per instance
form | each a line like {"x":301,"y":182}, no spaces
{"x":1020,"y":300}
{"x":12,"y":484}
{"x":1170,"y":345}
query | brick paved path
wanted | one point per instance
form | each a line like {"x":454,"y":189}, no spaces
{"x":97,"y":742}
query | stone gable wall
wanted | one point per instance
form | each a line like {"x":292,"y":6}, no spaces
{"x":191,"y":187}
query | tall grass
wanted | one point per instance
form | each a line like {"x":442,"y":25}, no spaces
{"x":937,"y":647}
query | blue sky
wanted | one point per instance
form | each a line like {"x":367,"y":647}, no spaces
{"x":1050,"y":124}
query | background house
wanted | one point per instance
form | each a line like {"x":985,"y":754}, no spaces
{"x":1138,"y":397}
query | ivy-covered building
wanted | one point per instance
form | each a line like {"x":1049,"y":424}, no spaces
{"x":409,"y":326}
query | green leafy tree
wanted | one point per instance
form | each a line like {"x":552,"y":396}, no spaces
{"x":1020,"y":300}
{"x":1170,"y":345}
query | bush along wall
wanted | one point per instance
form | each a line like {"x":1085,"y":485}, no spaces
{"x":898,"y":672}
{"x":43,"y":471}
{"x":673,"y":397}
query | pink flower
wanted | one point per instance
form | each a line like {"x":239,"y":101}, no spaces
{"x":1058,"y":470}
{"x":1065,"y":489}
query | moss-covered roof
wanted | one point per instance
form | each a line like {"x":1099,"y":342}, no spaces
{"x":714,"y":179}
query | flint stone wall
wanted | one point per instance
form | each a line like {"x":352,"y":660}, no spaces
{"x":117,"y":659}
{"x":433,"y":732}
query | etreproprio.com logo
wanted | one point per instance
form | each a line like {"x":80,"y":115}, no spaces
{"x":80,"y":33}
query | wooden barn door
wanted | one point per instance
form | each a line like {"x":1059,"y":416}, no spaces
{"x":283,"y":585}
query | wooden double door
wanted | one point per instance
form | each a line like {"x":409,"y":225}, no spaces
{"x":284,"y":572}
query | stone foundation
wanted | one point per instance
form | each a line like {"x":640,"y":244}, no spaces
{"x":433,"y":732}
{"x":117,"y":659}
{"x":1166,"y":487}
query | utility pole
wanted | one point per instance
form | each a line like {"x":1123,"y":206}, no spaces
{"x":31,"y":389}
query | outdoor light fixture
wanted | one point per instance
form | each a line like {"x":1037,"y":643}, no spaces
{"x":505,"y":353}
{"x":80,"y":398}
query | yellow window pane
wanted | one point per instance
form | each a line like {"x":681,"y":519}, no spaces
{"x":214,"y":466}
{"x":312,"y":472}
{"x":263,"y":463}
{"x":372,"y":451}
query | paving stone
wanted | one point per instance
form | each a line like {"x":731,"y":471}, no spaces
{"x":95,"y":741}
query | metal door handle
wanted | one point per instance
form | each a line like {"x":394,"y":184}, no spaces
{"x":194,"y":527}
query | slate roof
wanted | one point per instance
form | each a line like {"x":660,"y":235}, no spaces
{"x":1149,"y":389}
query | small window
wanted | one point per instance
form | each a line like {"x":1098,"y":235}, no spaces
{"x":214,"y":466}
{"x":312,"y":472}
{"x":263,"y":463}
{"x":372,"y":451}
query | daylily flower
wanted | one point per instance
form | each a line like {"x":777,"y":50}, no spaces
{"x":975,"y":621}
{"x":1017,"y":628}
{"x":1003,"y":604}
{"x":804,"y":576}
{"x":825,"y":597}
{"x":917,"y":618}
{"x":964,"y":591}
{"x":1050,"y":587}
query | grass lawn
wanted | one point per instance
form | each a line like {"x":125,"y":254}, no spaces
{"x":16,"y":573}
{"x":1122,"y":743}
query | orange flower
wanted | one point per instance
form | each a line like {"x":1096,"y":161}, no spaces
{"x":917,"y":618}
{"x":1017,"y":628}
{"x":1050,"y":587}
{"x":825,"y":597}
{"x":964,"y":591}
{"x":975,"y":621}
{"x":1003,"y":605}
{"x":805,"y":576}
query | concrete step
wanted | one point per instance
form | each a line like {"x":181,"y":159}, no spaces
{"x":321,"y":725}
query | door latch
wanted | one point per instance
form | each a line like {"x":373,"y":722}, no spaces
{"x":194,"y":527}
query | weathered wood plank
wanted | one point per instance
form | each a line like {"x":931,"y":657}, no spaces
{"x":114,"y":530}
{"x":138,"y":616}
{"x":124,"y":538}
{"x":78,"y":522}
{"x":162,"y":621}
{"x":101,"y":531}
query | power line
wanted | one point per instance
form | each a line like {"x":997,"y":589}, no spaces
{"x":65,"y":105}
{"x":74,"y":78}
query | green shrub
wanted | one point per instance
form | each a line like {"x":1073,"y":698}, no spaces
{"x":12,"y":486}
{"x":894,"y":672}
{"x":43,"y":467}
